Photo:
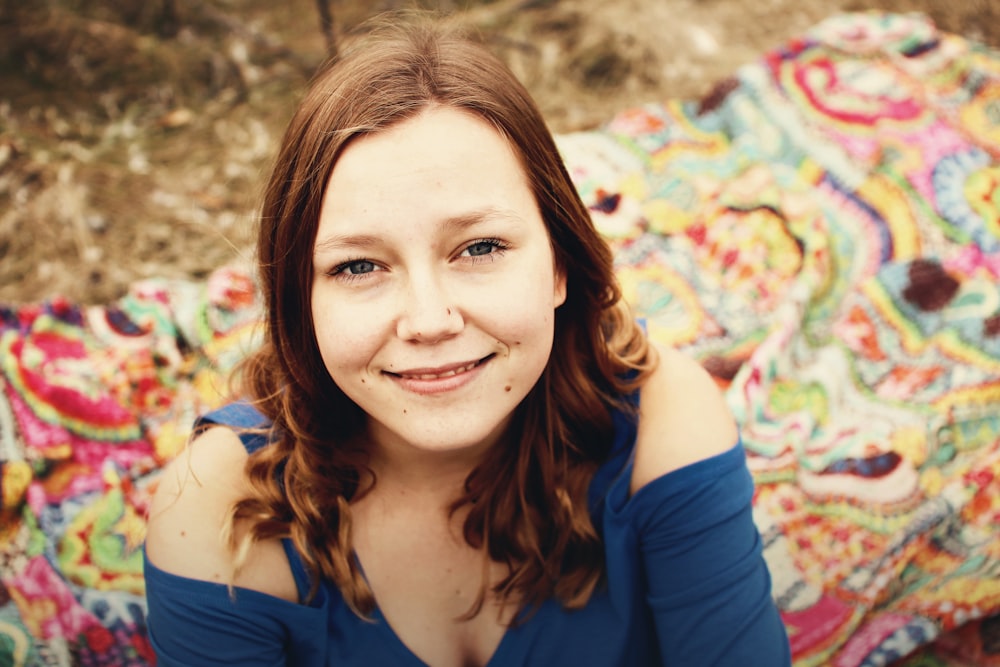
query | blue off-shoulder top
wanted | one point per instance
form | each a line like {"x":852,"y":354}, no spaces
{"x":686,"y":585}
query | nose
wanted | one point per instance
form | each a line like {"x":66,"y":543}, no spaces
{"x":428,"y":314}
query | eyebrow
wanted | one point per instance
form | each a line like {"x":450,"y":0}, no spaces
{"x":455,"y":223}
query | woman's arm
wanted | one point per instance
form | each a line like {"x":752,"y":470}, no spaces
{"x":193,"y":620}
{"x":682,"y":418}
{"x":708,"y":586}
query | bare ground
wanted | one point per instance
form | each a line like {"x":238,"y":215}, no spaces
{"x":134,"y":135}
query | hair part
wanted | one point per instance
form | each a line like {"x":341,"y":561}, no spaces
{"x":527,"y":503}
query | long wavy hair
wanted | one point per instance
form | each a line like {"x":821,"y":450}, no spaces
{"x":527,"y":502}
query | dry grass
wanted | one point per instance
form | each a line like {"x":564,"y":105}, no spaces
{"x":133,"y":145}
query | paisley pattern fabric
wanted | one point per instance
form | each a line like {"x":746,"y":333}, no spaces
{"x":822,"y":232}
{"x":93,"y":401}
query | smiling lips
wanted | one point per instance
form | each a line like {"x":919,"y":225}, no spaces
{"x":438,"y":379}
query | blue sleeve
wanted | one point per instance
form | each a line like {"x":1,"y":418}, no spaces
{"x":708,"y":586}
{"x":197,"y":624}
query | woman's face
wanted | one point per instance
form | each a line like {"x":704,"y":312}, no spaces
{"x":435,"y":286}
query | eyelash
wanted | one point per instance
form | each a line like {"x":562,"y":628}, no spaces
{"x":498,"y":248}
{"x":340,"y":271}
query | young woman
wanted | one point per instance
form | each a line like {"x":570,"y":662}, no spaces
{"x":456,"y":447}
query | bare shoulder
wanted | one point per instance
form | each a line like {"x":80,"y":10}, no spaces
{"x":683,"y":418}
{"x":186,"y":517}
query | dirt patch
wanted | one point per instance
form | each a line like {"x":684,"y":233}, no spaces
{"x":134,"y":135}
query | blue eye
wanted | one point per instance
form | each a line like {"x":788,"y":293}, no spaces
{"x":484,"y":247}
{"x":355,"y":268}
{"x":481,"y":248}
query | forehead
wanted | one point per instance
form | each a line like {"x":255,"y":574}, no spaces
{"x":441,"y":164}
{"x":432,"y":134}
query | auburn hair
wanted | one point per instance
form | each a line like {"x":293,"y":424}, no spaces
{"x":527,"y":503}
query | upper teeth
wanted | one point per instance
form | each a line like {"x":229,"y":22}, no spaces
{"x":434,"y":376}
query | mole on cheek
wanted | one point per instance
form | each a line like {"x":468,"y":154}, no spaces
{"x":507,"y":388}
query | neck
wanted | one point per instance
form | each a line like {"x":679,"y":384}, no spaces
{"x":427,"y":474}
{"x":421,"y":474}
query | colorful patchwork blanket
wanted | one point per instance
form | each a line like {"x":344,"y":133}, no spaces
{"x":822,"y":232}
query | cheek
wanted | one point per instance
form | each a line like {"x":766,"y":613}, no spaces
{"x":523,"y":316}
{"x":532,"y":299}
{"x":343,"y":337}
